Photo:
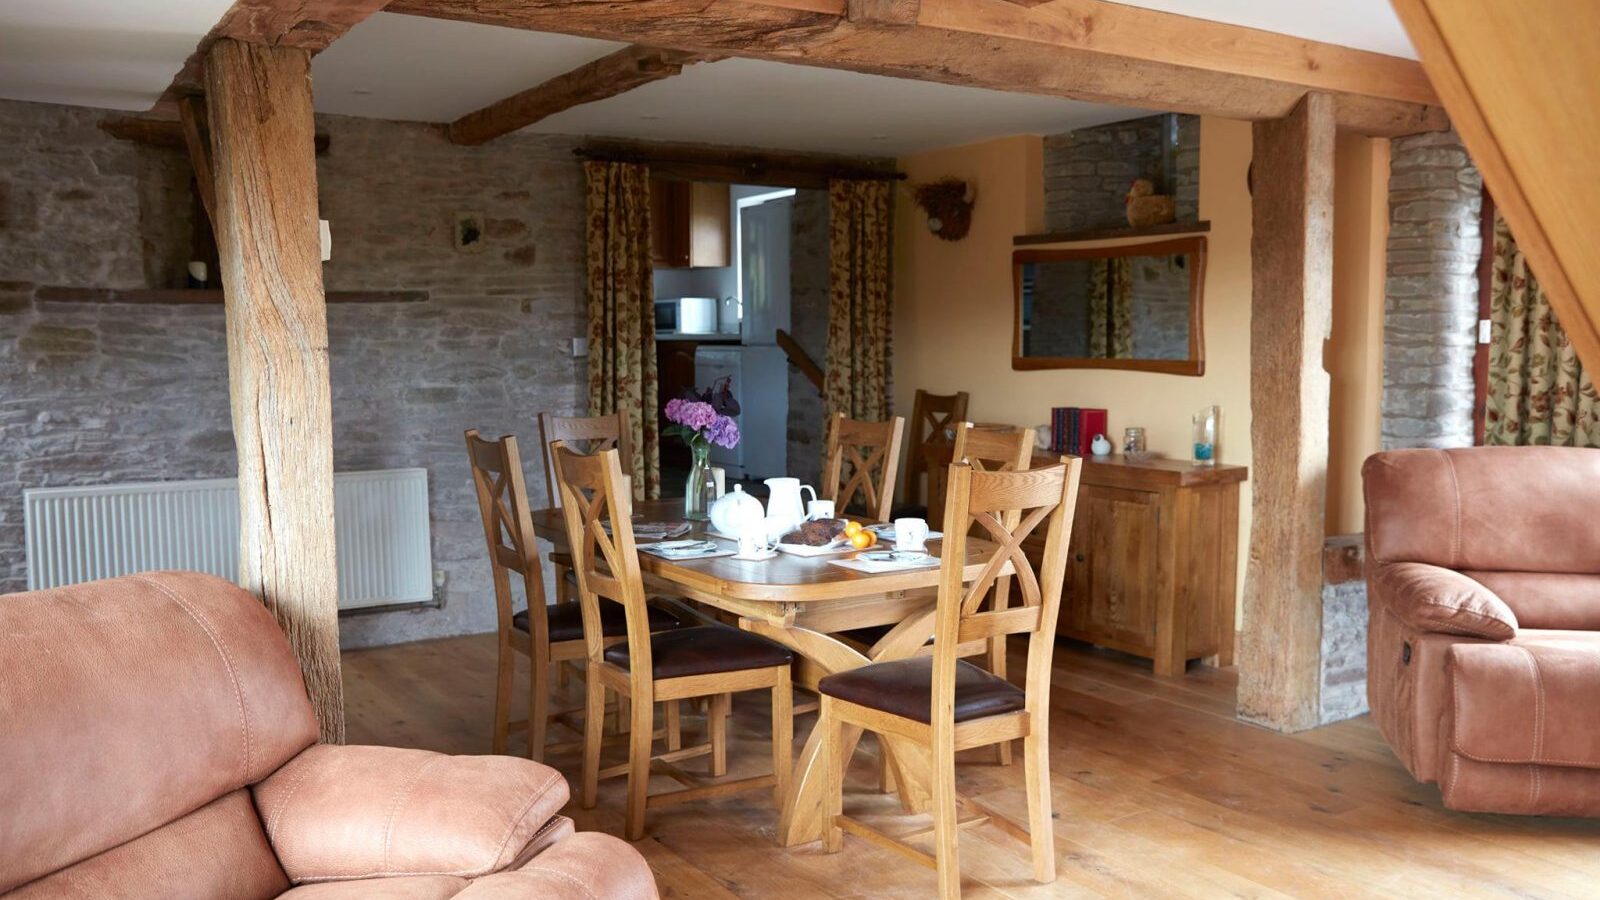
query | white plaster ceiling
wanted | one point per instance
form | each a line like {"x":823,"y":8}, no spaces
{"x":122,"y":53}
{"x":117,"y":54}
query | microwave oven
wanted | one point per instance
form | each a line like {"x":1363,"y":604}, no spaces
{"x":686,"y":315}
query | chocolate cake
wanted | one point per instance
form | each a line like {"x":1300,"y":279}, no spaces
{"x":815,"y":533}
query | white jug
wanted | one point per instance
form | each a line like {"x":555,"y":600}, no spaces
{"x":786,"y":508}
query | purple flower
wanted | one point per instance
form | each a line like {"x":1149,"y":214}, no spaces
{"x":724,"y":432}
{"x":691,"y":413}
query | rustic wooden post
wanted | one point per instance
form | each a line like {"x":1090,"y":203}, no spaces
{"x":1291,"y":315}
{"x":259,"y":103}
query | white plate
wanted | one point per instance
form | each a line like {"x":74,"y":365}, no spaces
{"x":832,"y":549}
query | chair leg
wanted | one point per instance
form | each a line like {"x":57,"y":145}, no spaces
{"x":717,"y":727}
{"x":563,"y":594}
{"x":639,"y":738}
{"x":833,"y":776}
{"x":782,"y":737}
{"x":538,"y":704}
{"x":1036,"y":775}
{"x":593,"y":726}
{"x":506,"y":667}
{"x":673,"y":715}
{"x":885,"y":771}
{"x":945,"y":830}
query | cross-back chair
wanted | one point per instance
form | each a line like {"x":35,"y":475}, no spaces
{"x":710,"y":661}
{"x":546,"y":634}
{"x":933,"y":417}
{"x":949,"y":704}
{"x":861,"y":460}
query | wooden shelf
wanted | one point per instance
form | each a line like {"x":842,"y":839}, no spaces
{"x":1103,"y":234}
{"x":179,"y":296}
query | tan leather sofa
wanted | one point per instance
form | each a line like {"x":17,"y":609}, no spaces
{"x":156,"y":741}
{"x":1483,"y":650}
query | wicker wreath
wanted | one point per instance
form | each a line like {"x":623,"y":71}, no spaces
{"x":948,"y":203}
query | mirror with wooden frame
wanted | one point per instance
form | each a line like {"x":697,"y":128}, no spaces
{"x":1127,"y":306}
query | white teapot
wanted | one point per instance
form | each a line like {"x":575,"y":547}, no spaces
{"x":737,"y":513}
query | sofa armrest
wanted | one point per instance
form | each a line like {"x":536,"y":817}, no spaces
{"x":1436,"y":599}
{"x":335,"y":813}
{"x":585,"y":866}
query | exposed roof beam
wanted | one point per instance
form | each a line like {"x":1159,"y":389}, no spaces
{"x":607,"y":76}
{"x":1082,"y":49}
{"x":167,"y":133}
{"x":307,"y":24}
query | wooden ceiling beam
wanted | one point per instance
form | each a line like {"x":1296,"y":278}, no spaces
{"x":304,"y":24}
{"x":607,"y":76}
{"x":1080,"y":49}
{"x":168,"y":133}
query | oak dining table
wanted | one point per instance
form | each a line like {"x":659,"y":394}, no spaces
{"x":802,"y":602}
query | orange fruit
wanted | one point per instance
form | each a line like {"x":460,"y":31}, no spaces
{"x":852,"y":528}
{"x":861,"y":540}
{"x":872,"y":537}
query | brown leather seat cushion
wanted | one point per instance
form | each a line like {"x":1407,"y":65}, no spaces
{"x":904,"y":688}
{"x":705,"y":649}
{"x":566,"y":620}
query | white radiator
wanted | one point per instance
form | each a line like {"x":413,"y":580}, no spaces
{"x":77,"y":534}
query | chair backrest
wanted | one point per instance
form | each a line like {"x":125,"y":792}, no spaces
{"x":1007,"y":507}
{"x":597,"y":506}
{"x":585,"y":434}
{"x":862,"y":458}
{"x":508,"y":528}
{"x":987,"y":448}
{"x":932,"y":418}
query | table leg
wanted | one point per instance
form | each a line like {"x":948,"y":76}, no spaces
{"x":800,"y":817}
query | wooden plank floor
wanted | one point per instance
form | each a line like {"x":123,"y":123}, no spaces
{"x":1158,"y":790}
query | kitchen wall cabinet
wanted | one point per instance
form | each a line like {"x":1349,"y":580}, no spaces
{"x":690,"y":224}
{"x":1152,"y":569}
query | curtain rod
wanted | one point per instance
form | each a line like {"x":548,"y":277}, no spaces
{"x":750,"y":166}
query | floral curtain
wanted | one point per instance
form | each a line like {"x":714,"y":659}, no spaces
{"x":622,"y":322}
{"x":1111,"y":309}
{"x":1538,"y":391}
{"x":857,"y":367}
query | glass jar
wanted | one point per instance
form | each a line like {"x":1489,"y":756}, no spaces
{"x":1133,"y":442}
{"x":1205,"y":436}
{"x":700,"y":489}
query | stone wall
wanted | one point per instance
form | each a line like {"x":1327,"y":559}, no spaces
{"x":95,"y":394}
{"x":1087,"y":172}
{"x":1343,"y":692}
{"x":1431,"y":303}
{"x":808,"y":323}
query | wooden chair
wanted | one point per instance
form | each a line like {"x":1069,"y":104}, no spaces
{"x":588,"y":434}
{"x":952,"y":705}
{"x":933,"y":416}
{"x":710,"y":661}
{"x":995,"y":448}
{"x":545,"y":634}
{"x":866,"y":447}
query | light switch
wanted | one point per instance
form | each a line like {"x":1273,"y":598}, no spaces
{"x":580,"y":347}
{"x":326,"y":238}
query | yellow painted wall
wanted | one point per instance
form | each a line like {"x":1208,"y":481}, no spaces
{"x":953,"y":307}
{"x":1354,"y":357}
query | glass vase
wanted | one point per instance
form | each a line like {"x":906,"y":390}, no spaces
{"x":1205,"y":436}
{"x":700,"y":490}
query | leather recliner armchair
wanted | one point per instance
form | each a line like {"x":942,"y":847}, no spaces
{"x":1483,"y":647}
{"x":156,"y":741}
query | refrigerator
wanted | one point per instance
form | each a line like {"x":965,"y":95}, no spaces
{"x":758,"y":367}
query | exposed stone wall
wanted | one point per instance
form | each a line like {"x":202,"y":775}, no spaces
{"x":1344,"y":630}
{"x":808,"y":323}
{"x":1431,"y":304}
{"x":103,"y":394}
{"x":1087,"y":172}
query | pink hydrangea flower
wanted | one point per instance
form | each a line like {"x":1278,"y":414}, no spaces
{"x":691,"y":413}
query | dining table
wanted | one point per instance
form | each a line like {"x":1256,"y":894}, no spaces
{"x":803,"y":602}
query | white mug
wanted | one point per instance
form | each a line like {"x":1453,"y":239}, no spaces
{"x":911,"y":535}
{"x":820,"y":509}
{"x":753,"y":544}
